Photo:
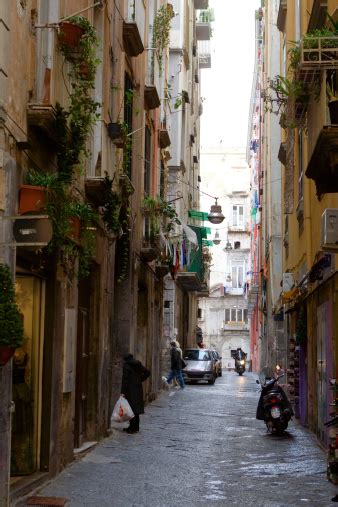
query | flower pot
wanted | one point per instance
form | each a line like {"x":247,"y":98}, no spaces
{"x":70,"y":34}
{"x":31,"y":199}
{"x":5,"y":354}
{"x":333,"y":109}
{"x":116,"y":135}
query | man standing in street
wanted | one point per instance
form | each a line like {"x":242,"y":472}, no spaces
{"x":175,"y":365}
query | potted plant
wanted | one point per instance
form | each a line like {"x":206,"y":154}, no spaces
{"x":11,"y":325}
{"x":118,"y":132}
{"x":32,"y":195}
{"x":77,"y":37}
{"x":332,"y":96}
{"x":70,"y":34}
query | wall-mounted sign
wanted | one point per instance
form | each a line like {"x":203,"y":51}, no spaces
{"x":32,"y":230}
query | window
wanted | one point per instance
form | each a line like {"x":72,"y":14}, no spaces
{"x":236,"y":315}
{"x":237,"y":276}
{"x":128,"y":118}
{"x":199,"y":313}
{"x":237,"y":245}
{"x":147,"y":157}
{"x":238,"y":216}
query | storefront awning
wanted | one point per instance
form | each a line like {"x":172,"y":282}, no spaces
{"x":197,"y":215}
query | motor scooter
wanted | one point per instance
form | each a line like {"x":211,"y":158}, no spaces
{"x":274,"y":407}
{"x":240,"y":366}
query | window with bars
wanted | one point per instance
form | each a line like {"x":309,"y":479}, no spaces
{"x":238,"y":215}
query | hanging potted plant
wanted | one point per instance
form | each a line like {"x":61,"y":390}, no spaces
{"x":11,"y":325}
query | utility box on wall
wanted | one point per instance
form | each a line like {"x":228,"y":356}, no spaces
{"x":329,"y":232}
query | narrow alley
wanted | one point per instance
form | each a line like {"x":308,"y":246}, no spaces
{"x":200,"y":446}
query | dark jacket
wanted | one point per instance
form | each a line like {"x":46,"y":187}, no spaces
{"x":175,"y":359}
{"x":134,"y":373}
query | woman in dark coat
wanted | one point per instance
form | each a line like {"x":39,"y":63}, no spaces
{"x":134,"y":373}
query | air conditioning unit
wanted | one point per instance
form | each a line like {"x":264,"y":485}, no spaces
{"x":288,"y":281}
{"x":330,"y":230}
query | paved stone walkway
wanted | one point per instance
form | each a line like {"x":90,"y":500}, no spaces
{"x":200,"y":446}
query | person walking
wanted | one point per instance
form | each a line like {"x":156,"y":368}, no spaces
{"x":133,"y":374}
{"x":175,"y":365}
{"x":175,"y":383}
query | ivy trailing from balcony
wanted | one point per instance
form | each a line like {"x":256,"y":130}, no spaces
{"x":74,"y":125}
{"x":161,"y":31}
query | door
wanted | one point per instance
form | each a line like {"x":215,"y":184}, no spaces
{"x":82,"y":360}
{"x":324,"y":366}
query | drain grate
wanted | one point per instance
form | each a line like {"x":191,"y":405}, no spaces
{"x":46,"y":501}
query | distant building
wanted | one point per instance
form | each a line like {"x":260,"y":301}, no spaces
{"x":223,"y":316}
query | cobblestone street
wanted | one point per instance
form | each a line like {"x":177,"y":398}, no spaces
{"x":200,"y":446}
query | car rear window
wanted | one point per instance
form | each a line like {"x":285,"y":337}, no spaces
{"x":197,"y":355}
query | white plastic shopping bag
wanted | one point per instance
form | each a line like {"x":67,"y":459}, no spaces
{"x":122,"y":411}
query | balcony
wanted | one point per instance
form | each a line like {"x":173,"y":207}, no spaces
{"x":319,"y":53}
{"x":201,"y":4}
{"x":204,"y":54}
{"x":323,"y":165}
{"x":189,"y":282}
{"x":239,"y":228}
{"x":235,"y":326}
{"x":42,"y":117}
{"x":318,"y":15}
{"x":282,"y":15}
{"x":133,"y":28}
{"x":193,"y":279}
{"x":152,"y":86}
{"x":203,"y":31}
{"x":95,"y":188}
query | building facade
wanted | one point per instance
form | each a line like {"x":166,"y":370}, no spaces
{"x":87,"y":133}
{"x":293,"y":299}
{"x":223,"y":316}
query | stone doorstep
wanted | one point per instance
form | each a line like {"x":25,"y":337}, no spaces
{"x":87,"y":446}
{"x":28,"y":485}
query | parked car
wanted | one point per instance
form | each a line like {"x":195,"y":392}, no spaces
{"x":218,"y":362}
{"x":201,"y":365}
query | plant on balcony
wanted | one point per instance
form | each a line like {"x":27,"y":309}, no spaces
{"x":161,"y":31}
{"x":74,"y":125}
{"x":111,"y":208}
{"x":157,"y":209}
{"x":11,"y":325}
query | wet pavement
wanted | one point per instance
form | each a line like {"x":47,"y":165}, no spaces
{"x":200,"y":446}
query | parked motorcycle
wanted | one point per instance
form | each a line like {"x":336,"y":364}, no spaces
{"x":274,"y":407}
{"x":240,"y":366}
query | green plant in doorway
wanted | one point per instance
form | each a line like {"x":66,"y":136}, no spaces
{"x":11,"y":325}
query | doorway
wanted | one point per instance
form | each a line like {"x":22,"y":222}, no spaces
{"x":27,"y":378}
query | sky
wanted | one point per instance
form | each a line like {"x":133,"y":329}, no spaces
{"x":226,"y":87}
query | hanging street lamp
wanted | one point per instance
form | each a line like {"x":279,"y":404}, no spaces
{"x":215,"y":214}
{"x":216,"y":239}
